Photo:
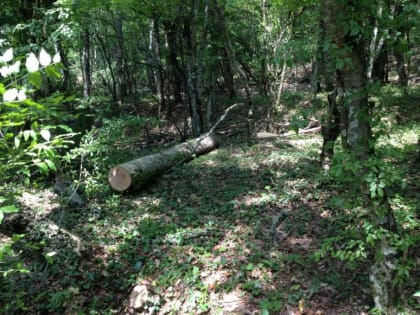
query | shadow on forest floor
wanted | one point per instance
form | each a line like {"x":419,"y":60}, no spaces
{"x":232,"y":232}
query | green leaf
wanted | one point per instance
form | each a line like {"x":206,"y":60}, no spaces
{"x":339,"y":64}
{"x":28,"y":134}
{"x":265,"y":311}
{"x":417,"y":294}
{"x":65,"y":128}
{"x":49,"y":256}
{"x":9,"y":209}
{"x":43,"y":167}
{"x":35,"y":79}
{"x":17,"y":142}
{"x":2,"y":89}
{"x":51,"y":165}
{"x":52,"y":72}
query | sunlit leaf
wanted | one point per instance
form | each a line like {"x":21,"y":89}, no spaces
{"x":51,"y":165}
{"x":10,"y":95}
{"x":21,"y":95}
{"x":14,"y":68}
{"x":6,"y":209}
{"x":44,"y":58}
{"x":57,"y":58}
{"x":17,"y":142}
{"x":46,"y":134}
{"x":32,"y":63}
{"x":2,"y":89}
{"x":49,"y":256}
{"x":7,"y":56}
{"x":4,"y":71}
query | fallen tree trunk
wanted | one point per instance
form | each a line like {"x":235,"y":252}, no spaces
{"x":137,"y":172}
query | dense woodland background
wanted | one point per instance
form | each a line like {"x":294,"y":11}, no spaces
{"x":310,"y":205}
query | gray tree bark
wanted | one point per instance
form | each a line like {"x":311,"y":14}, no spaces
{"x":86,"y":69}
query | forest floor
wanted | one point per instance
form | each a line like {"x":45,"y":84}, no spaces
{"x":233,"y":232}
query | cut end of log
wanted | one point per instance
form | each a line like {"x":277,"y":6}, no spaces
{"x":119,"y":178}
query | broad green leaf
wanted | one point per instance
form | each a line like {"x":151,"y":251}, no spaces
{"x":9,"y":209}
{"x":45,"y":134}
{"x":2,"y":89}
{"x":417,"y":294}
{"x":44,"y":58}
{"x":65,"y":128}
{"x":7,"y":56}
{"x":43,"y":167}
{"x":10,"y":95}
{"x":51,"y":165}
{"x":32,"y":63}
{"x":52,"y":72}
{"x":35,"y":79}
{"x":49,"y":152}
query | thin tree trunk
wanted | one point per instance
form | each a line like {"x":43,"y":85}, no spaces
{"x":86,"y":69}
{"x":190,"y":29}
{"x":264,"y":64}
{"x":227,"y":58}
{"x":157,"y":61}
{"x":106,"y":56}
{"x":66,"y":67}
{"x":399,"y":56}
{"x":280,"y":88}
{"x":119,"y":61}
{"x":176,"y":75}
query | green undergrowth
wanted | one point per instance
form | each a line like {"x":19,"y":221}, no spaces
{"x":238,"y":230}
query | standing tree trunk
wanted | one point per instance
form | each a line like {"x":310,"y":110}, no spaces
{"x":227,"y":58}
{"x":157,"y":58}
{"x":190,"y":36}
{"x":399,"y":48}
{"x":351,"y":77}
{"x":176,"y":77}
{"x":119,"y":89}
{"x":86,"y":69}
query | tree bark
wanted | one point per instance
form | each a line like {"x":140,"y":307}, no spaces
{"x":119,"y":89}
{"x":351,"y":78}
{"x":136,"y":173}
{"x":86,"y":69}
